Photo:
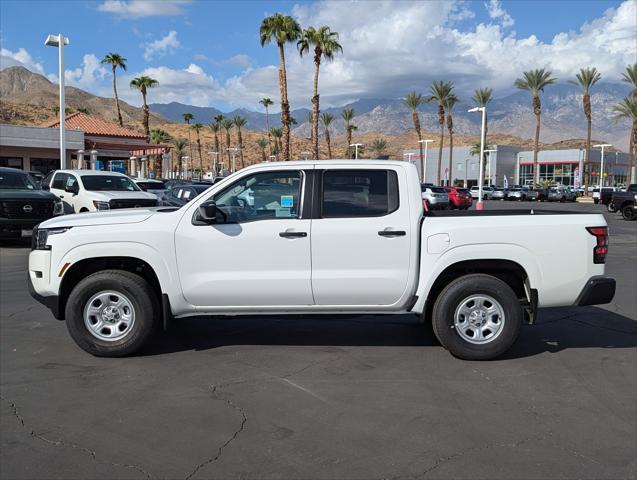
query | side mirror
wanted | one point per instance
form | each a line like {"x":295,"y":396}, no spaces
{"x":45,"y":187}
{"x":209,"y":212}
{"x":74,"y":189}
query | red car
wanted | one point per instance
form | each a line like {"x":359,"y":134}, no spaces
{"x":459,"y":198}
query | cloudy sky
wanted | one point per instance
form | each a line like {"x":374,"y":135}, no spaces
{"x":207,"y":53}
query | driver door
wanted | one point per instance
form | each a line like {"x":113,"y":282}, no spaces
{"x":259,"y":256}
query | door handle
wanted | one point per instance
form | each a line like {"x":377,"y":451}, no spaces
{"x":392,"y":233}
{"x":292,"y":234}
{"x":61,"y":196}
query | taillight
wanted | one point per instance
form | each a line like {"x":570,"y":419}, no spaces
{"x":425,"y":206}
{"x":601,"y":249}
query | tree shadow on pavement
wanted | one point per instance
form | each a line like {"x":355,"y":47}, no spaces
{"x":556,"y":330}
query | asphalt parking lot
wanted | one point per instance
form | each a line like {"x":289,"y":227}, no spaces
{"x":324,"y":397}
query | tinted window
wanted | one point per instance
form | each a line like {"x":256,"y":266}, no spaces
{"x":47,"y":180}
{"x":438,"y":190}
{"x":359,"y":193}
{"x":16,"y":181}
{"x":260,"y":196}
{"x":59,"y":181}
{"x":108,"y":183}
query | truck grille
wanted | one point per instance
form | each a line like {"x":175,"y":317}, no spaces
{"x":27,"y":209}
{"x":132,"y":203}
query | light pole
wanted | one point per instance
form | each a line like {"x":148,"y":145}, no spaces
{"x":305,"y":155}
{"x":59,"y":41}
{"x":184,"y":166}
{"x":601,"y":166}
{"x":465,"y":172}
{"x":356,"y":145}
{"x":480,"y":204}
{"x":489,"y":157}
{"x":233,"y":151}
{"x":424,"y":166}
{"x":214,"y":164}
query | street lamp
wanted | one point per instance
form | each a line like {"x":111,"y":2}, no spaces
{"x":233,"y":151}
{"x":214,"y":164}
{"x":424,"y":164}
{"x":305,"y":155}
{"x":480,"y":204}
{"x":356,"y":145}
{"x":489,"y":157}
{"x":59,"y":41}
{"x":601,"y":167}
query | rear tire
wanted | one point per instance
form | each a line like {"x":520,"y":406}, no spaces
{"x":112,"y":313}
{"x":611,"y":207}
{"x":477,"y":317}
{"x":629,"y":213}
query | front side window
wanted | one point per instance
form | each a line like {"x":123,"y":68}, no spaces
{"x":267,"y":195}
{"x":109,"y":183}
{"x":16,"y":181}
{"x":359,"y":193}
{"x":59,"y":181}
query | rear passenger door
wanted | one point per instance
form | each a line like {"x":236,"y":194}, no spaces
{"x":361,"y":235}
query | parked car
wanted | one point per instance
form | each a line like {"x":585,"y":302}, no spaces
{"x":516,"y":193}
{"x":23,"y":205}
{"x":182,"y":194}
{"x":150,"y":185}
{"x":561,"y":194}
{"x":625,"y":202}
{"x":435,"y":197}
{"x":487,"y":192}
{"x":92,"y":190}
{"x":603,"y":195}
{"x":350,"y":238}
{"x":499,"y":193}
{"x":459,"y":198}
{"x":542,"y":194}
{"x":37,"y":177}
{"x":529,"y":194}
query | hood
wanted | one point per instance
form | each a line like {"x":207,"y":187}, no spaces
{"x":105,"y":195}
{"x":26,"y":194}
{"x":104,"y":217}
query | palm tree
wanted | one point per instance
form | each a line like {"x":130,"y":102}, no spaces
{"x":310,"y":122}
{"x":143,"y":83}
{"x":281,"y":29}
{"x":630,"y":76}
{"x":449,"y":104}
{"x":227,"y":124}
{"x":586,"y":78}
{"x":475,"y":151}
{"x":277,"y":133}
{"x":188,"y":117}
{"x":439,"y":92}
{"x":627,"y":109}
{"x":348,"y":116}
{"x":535,"y":81}
{"x":157,"y":135}
{"x":197,"y":128}
{"x":115,"y":60}
{"x":325,"y":44}
{"x":262,"y":143}
{"x":326,"y":120}
{"x":266,"y":102}
{"x":413,"y":100}
{"x":178,"y":152}
{"x":379,"y":145}
{"x":239,"y":122}
{"x":215,"y":128}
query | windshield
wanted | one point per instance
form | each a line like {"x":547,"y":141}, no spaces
{"x":16,"y":181}
{"x":113,"y":183}
{"x":438,"y":190}
{"x":151,"y":185}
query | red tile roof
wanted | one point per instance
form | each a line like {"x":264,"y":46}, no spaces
{"x":94,"y":126}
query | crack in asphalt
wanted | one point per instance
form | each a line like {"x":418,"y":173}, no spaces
{"x":24,"y":310}
{"x":236,"y":433}
{"x":62,"y":443}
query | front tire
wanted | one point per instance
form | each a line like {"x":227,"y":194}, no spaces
{"x":477,"y":317}
{"x":610,"y":206}
{"x":629,"y":213}
{"x":112,"y":313}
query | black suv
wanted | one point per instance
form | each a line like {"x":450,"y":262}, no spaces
{"x":23,"y":205}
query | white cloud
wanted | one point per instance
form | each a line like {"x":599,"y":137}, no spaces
{"x":89,"y":74}
{"x":164,"y":46}
{"x":240,"y":60}
{"x":143,"y":8}
{"x":19,"y":58}
{"x":496,"y":12}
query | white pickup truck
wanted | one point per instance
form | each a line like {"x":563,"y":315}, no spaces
{"x":316,"y":237}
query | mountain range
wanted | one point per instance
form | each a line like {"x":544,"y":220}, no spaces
{"x":30,"y":98}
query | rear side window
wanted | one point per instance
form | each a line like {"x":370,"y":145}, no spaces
{"x":359,"y":193}
{"x":59,"y":181}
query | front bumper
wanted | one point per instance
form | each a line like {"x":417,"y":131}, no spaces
{"x":52,"y":302}
{"x":597,"y":291}
{"x":11,"y":228}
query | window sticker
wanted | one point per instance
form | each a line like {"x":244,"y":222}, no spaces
{"x":287,"y":201}
{"x":283,"y":212}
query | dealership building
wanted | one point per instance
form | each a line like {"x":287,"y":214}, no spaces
{"x":90,"y":143}
{"x":564,"y":167}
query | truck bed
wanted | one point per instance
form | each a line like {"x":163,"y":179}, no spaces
{"x":500,"y":213}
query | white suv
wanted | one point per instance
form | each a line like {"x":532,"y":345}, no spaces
{"x":92,"y":190}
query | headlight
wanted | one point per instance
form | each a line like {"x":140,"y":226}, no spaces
{"x":41,"y":236}
{"x":101,"y":205}
{"x":58,"y":209}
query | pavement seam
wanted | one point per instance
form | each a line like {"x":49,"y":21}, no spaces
{"x":58,"y":443}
